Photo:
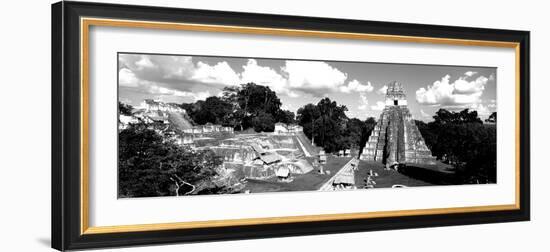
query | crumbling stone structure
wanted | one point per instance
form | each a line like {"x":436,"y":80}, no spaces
{"x":395,"y":140}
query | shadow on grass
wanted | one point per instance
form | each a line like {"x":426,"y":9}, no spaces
{"x":433,"y":175}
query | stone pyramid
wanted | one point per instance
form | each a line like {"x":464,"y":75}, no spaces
{"x":395,"y":140}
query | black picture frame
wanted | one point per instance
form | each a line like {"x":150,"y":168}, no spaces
{"x":66,"y":125}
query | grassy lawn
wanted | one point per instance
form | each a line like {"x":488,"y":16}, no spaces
{"x":439,"y":174}
{"x":417,"y":175}
{"x":305,"y":182}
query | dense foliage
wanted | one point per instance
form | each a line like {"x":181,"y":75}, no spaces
{"x":257,"y":107}
{"x":124,"y":109}
{"x":329,"y":127}
{"x":212,"y":110}
{"x":149,"y":165}
{"x":461,"y":139}
{"x":492,"y":118}
{"x":242,"y":107}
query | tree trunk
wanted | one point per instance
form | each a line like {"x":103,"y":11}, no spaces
{"x":189,"y":184}
{"x":312,"y":127}
{"x":177,"y":187}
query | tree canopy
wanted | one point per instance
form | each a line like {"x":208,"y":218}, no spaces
{"x":327,"y":124}
{"x":492,"y":118}
{"x":461,"y":139}
{"x":148,"y":165}
{"x":212,"y":110}
{"x":241,"y":107}
{"x":124,"y":109}
{"x":443,"y":116}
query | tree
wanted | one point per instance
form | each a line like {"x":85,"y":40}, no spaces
{"x":241,"y":107}
{"x":326,"y":123}
{"x":263,"y":122}
{"x":151,"y":166}
{"x":258,"y":101}
{"x":330,"y":124}
{"x":355,"y":131}
{"x":306,"y":118}
{"x":443,"y":116}
{"x":285,"y":116}
{"x":125,"y":109}
{"x":257,"y":98}
{"x":249,"y":102}
{"x":471,"y":148}
{"x":428,"y":132}
{"x":492,"y":118}
{"x":231,"y":96}
{"x":462,"y":140}
{"x":212,"y":110}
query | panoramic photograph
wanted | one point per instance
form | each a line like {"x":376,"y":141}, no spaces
{"x":207,"y":125}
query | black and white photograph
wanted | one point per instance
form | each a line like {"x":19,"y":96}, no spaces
{"x":203,"y":125}
{"x":263,"y":126}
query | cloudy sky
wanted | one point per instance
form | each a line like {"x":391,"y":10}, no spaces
{"x":358,"y":85}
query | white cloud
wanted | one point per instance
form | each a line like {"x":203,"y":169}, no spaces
{"x":221,"y":73}
{"x":382,"y":90}
{"x":460,"y":92}
{"x":145,"y":62}
{"x":127,"y":78}
{"x":156,"y":90}
{"x":364,"y":101}
{"x":492,"y":104}
{"x":424,"y":114}
{"x":482,"y":111}
{"x":286,"y":106}
{"x":380,"y":105}
{"x":314,"y":77}
{"x":200,"y":95}
{"x":436,"y":93}
{"x":356,"y":86}
{"x":182,"y":74}
{"x":176,"y":67}
{"x":167,"y":71}
{"x":266,"y":76}
{"x":462,"y":86}
{"x":470,"y":73}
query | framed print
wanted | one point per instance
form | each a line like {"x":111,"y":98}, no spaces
{"x":178,"y":125}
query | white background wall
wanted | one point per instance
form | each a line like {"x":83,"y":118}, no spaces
{"x":25,"y":125}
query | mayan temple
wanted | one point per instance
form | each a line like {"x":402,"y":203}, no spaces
{"x":395,"y":140}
